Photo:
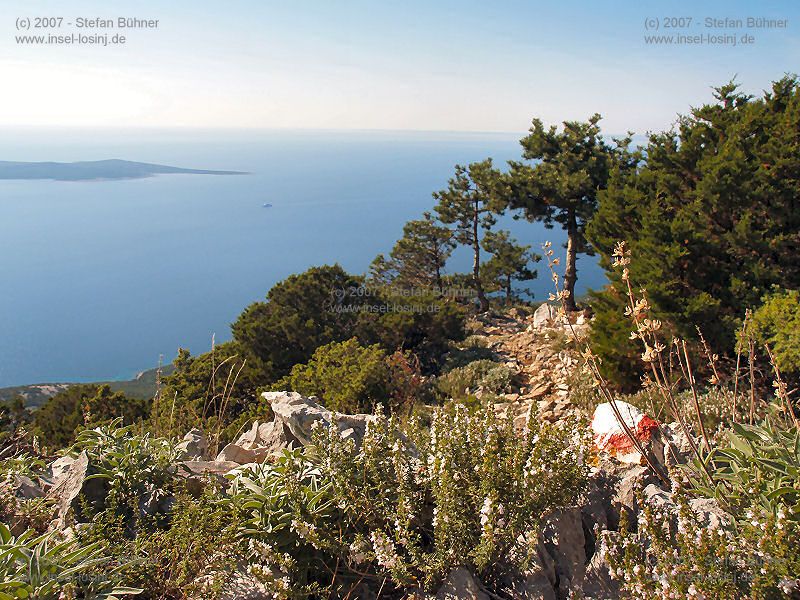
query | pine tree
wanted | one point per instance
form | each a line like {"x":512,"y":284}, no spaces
{"x":509,"y":262}
{"x":712,"y":219}
{"x":418,"y":258}
{"x":572,"y":166}
{"x":472,"y":202}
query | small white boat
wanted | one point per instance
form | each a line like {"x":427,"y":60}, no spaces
{"x":267,"y":205}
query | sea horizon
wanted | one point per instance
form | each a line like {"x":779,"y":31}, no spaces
{"x":106,"y":276}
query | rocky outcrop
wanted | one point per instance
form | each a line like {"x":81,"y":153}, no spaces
{"x":194,"y":446}
{"x":70,"y":484}
{"x":545,"y":316}
{"x":461,"y":585}
{"x":59,"y":467}
{"x":295,"y":417}
{"x":259,"y":443}
{"x":564,"y":542}
{"x":299,"y":414}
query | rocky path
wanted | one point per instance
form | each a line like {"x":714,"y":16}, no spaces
{"x":542,"y":353}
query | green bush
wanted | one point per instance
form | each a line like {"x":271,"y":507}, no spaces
{"x":462,"y":382}
{"x":423,"y":324}
{"x":295,"y":320}
{"x":408,"y":504}
{"x":346,"y":376}
{"x":756,"y":558}
{"x":128,"y":464}
{"x":59,"y":419}
{"x":192,"y":555}
{"x":209,"y":391}
{"x":777,"y":323}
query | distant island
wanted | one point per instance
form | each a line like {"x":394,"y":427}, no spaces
{"x":95,"y":170}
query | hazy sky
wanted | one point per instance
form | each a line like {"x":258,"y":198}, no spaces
{"x":385,"y":64}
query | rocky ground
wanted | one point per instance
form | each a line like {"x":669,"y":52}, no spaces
{"x":531,"y":345}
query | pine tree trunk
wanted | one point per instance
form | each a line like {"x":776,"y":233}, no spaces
{"x":476,"y":263}
{"x":508,"y":290}
{"x":438,"y":275}
{"x":571,"y":270}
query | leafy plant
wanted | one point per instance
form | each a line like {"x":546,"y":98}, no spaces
{"x":758,"y":466}
{"x":290,"y":522}
{"x":46,"y":568}
{"x":346,"y":376}
{"x":129,"y":464}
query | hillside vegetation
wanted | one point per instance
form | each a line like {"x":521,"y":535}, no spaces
{"x":411,"y":432}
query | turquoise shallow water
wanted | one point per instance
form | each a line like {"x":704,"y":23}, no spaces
{"x":100,"y":278}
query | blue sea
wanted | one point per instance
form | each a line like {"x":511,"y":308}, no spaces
{"x":101,"y":278}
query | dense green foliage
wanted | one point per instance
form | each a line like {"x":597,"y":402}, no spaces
{"x":325,"y":305}
{"x":274,"y":341}
{"x":422,"y":323}
{"x":345,"y":376}
{"x":711,"y":217}
{"x":777,"y":323}
{"x":65,"y":414}
{"x":190,"y":555}
{"x":295,"y":320}
{"x":14,"y":417}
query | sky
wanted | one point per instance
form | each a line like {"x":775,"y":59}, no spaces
{"x":382,"y":64}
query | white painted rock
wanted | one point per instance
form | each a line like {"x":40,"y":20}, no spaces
{"x":610,"y":437}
